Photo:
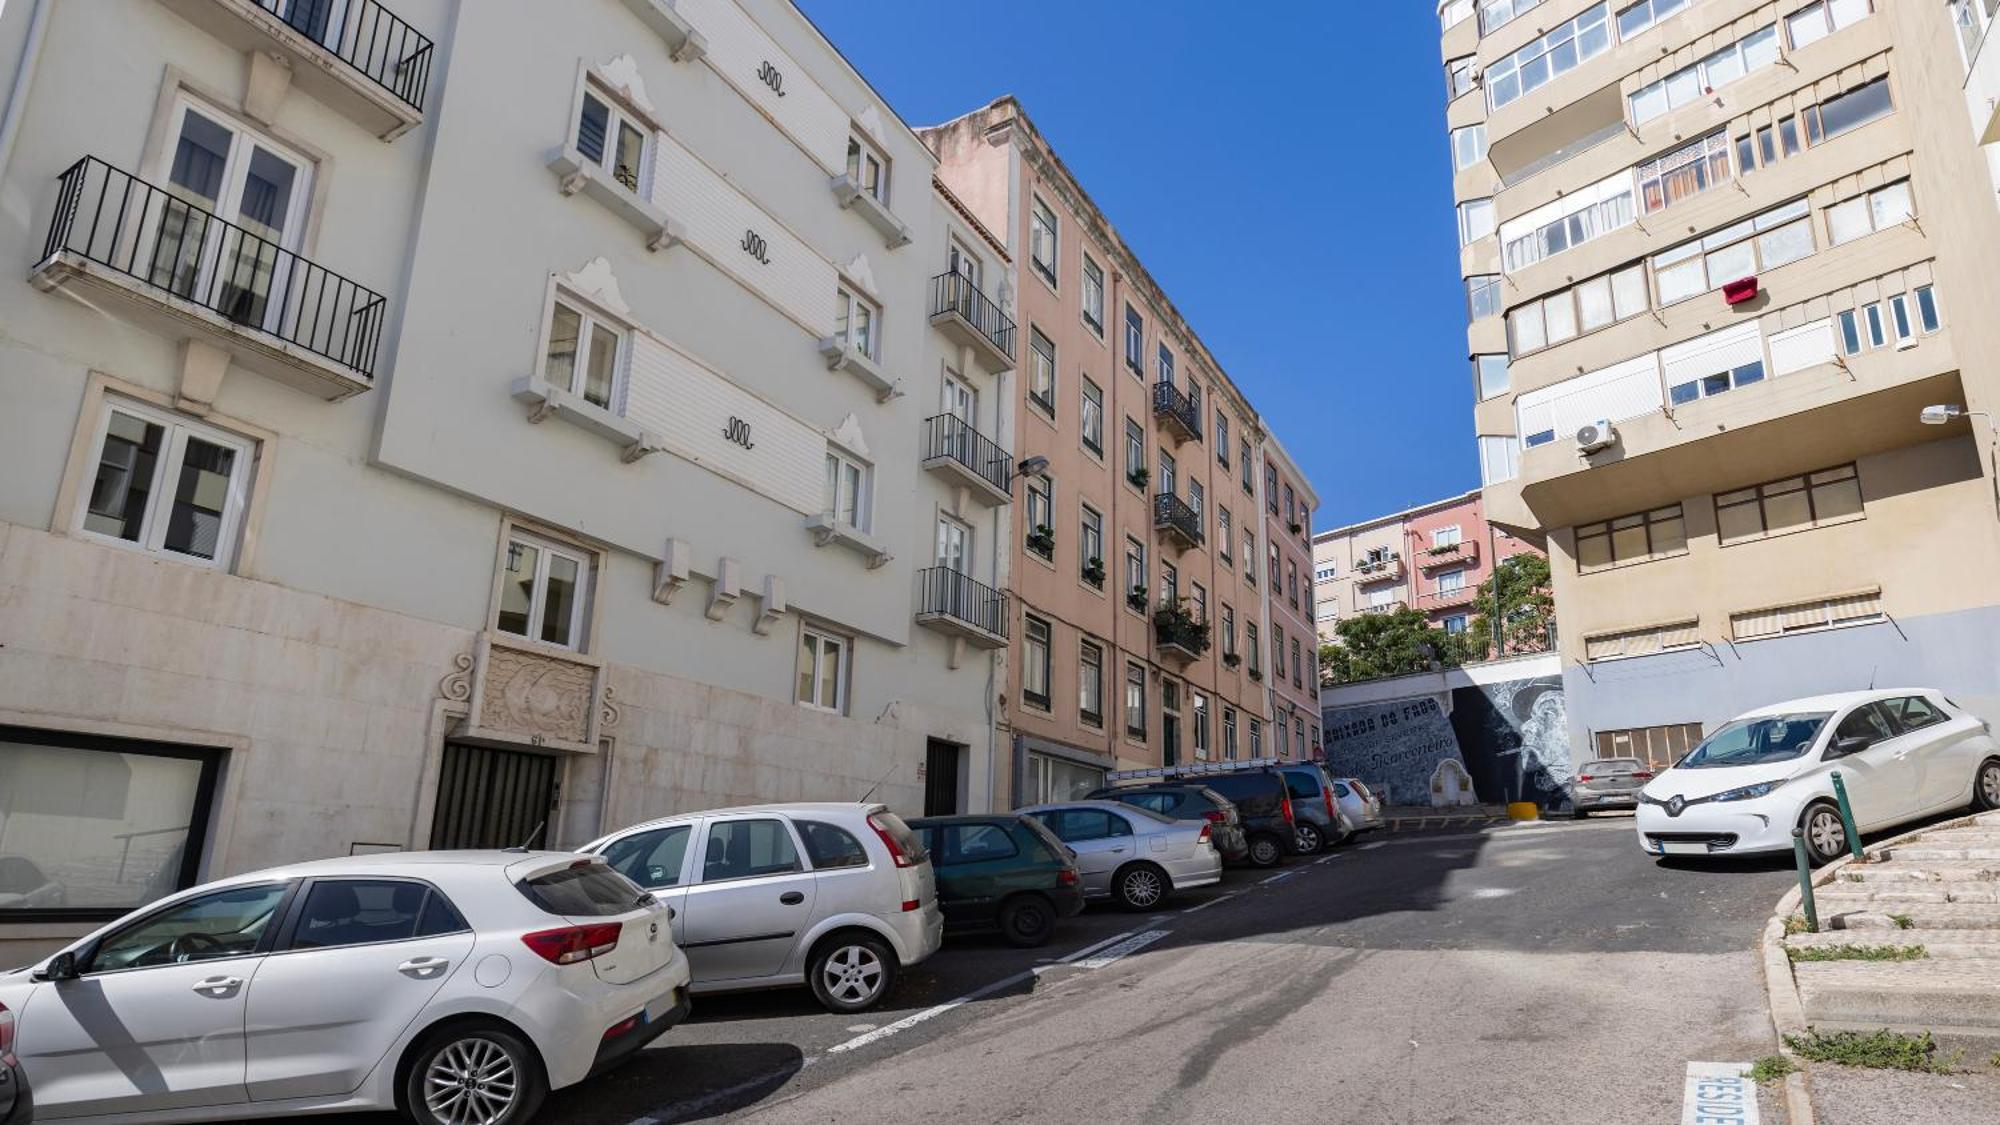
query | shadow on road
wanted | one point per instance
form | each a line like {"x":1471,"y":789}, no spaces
{"x":707,"y":1081}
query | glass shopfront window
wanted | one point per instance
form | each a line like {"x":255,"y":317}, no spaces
{"x":1058,"y":779}
{"x":97,"y":826}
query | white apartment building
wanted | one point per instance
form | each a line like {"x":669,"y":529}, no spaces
{"x":1720,"y":257}
{"x":435,"y":423}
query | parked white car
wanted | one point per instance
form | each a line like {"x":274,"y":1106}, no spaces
{"x":1901,"y":754}
{"x":1128,"y":854}
{"x":835,"y":896}
{"x":455,"y":986}
{"x":1362,"y":808}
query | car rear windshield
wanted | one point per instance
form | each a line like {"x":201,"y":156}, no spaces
{"x":906,"y":839}
{"x":1055,"y":848}
{"x":582,"y":890}
{"x":1609,"y":764}
{"x":1754,"y":742}
{"x":1238,"y":786}
{"x":1302,"y":785}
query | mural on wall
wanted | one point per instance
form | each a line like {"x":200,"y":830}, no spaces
{"x":1506,"y":741}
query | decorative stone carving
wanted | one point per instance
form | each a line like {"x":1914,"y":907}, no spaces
{"x":622,"y":75}
{"x":536,"y":696}
{"x":609,"y":716}
{"x":848,"y":436}
{"x":457,"y":687}
{"x":594,"y":280}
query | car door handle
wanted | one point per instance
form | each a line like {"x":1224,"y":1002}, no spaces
{"x":218,"y":988}
{"x":423,"y":968}
{"x":792,"y":898}
{"x":1118,"y":851}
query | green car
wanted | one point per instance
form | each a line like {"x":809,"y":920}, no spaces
{"x":1001,"y":873}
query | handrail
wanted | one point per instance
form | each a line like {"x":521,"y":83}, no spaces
{"x":957,"y":595}
{"x":384,"y":48}
{"x":956,"y":293}
{"x":948,"y":435}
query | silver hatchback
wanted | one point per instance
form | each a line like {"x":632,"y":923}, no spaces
{"x":838,"y":897}
{"x":1131,"y":855}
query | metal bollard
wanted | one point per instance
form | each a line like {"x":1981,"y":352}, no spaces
{"x":1805,"y":880}
{"x":1847,"y":817}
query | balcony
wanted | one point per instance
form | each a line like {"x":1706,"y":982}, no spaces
{"x":1379,"y":568}
{"x":1396,"y":606}
{"x":1177,"y":412}
{"x":1447,"y":599}
{"x":1178,"y":635}
{"x":356,"y":56}
{"x":1177,"y":522}
{"x":968,"y":459}
{"x":959,"y":607}
{"x":1450,"y":554}
{"x":972,"y":320}
{"x":189,"y":274}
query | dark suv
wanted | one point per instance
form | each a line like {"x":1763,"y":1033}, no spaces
{"x":1321,"y":824}
{"x":1262,"y":802}
{"x":1188,"y":802}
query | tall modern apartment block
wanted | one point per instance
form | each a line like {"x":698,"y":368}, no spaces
{"x":1158,"y":521}
{"x":448,"y":424}
{"x":1430,"y":558}
{"x":1719,"y":258}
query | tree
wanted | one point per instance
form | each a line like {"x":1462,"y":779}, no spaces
{"x":1525,"y":609}
{"x":1388,"y":644}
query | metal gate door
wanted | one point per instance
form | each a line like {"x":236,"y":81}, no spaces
{"x":494,"y":798}
{"x":941,"y":778}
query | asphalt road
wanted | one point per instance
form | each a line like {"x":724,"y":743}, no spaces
{"x":1546,"y":973}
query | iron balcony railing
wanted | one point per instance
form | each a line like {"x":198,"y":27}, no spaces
{"x":954,"y":594}
{"x":1173,"y":406}
{"x":1170,"y":513}
{"x":955,"y":292}
{"x":366,"y":36}
{"x":948,"y":435}
{"x":157,"y":237}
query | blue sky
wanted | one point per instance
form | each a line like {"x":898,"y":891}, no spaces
{"x":1227,"y":151}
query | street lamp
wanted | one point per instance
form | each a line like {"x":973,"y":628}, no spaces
{"x":1941,"y":414}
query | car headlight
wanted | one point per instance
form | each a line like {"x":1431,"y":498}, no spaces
{"x":1748,"y":792}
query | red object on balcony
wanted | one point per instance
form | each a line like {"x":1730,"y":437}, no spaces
{"x":1738,"y":291}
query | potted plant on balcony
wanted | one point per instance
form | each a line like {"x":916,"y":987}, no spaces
{"x":1093,"y":572}
{"x":1257,"y":674}
{"x":1042,"y":540}
{"x":1174,"y":625}
{"x":1139,"y":477}
{"x":1444,"y":549}
{"x":1297,"y":527}
{"x":1231,"y":660}
{"x":1136,"y":598}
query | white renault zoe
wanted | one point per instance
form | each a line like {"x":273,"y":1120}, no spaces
{"x":459,"y":987}
{"x":1902,"y":754}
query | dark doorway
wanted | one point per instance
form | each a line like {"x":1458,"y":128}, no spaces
{"x":941,"y":777}
{"x":494,"y":798}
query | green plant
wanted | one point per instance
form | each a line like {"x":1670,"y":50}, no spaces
{"x":1859,"y":953}
{"x":1796,"y":924}
{"x":1093,"y":572}
{"x":1882,"y":1050}
{"x":1231,"y":660}
{"x":1136,"y":598}
{"x":1772,"y":1068}
{"x":1174,"y":625}
{"x":1373,"y":645}
{"x":1042,"y":540}
{"x":1903,"y":921}
{"x":1139,"y":476}
{"x":1519,"y":597}
{"x":1995,"y":1060}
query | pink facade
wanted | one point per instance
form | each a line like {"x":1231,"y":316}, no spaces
{"x":1430,"y":558}
{"x":1293,"y":667}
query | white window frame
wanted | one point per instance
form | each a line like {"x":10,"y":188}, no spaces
{"x":617,"y":116}
{"x":842,"y":647}
{"x":1449,"y":536}
{"x":841,"y":461}
{"x":1090,"y":416}
{"x":848,"y":306}
{"x":860,"y":151}
{"x":1468,"y":145}
{"x":1043,"y":234}
{"x":1093,"y":295}
{"x":166,"y":477}
{"x":1477,"y":219}
{"x":590,"y":320}
{"x":547,"y":549}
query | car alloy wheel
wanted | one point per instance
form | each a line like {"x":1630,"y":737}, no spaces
{"x":1310,"y":840}
{"x":1825,"y":837}
{"x":1141,"y":888}
{"x":1989,"y":785}
{"x":853,"y":975}
{"x":472,"y":1081}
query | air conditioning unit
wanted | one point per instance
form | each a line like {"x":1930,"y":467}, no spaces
{"x":1595,"y":436}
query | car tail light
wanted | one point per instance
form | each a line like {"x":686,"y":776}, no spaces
{"x":6,"y":1036}
{"x":1215,"y":816}
{"x":1066,"y":877}
{"x":1286,"y":809}
{"x":896,"y":851}
{"x":1585,"y":777}
{"x":1330,"y":809}
{"x":1642,"y":775}
{"x":571,"y":944}
{"x":1207,"y":834}
{"x":911,"y":905}
{"x":622,"y":1026}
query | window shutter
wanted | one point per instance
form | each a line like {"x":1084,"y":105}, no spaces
{"x":1855,"y":607}
{"x":1684,"y":635}
{"x":1756,"y":623}
{"x":1802,"y":347}
{"x":1718,"y":351}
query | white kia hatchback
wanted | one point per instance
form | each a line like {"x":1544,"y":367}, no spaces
{"x":458,"y":987}
{"x":1901,"y":754}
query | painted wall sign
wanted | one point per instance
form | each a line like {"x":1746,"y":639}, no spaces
{"x":771,"y":76}
{"x":1506,"y":741}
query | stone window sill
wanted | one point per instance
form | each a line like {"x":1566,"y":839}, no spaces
{"x":575,"y":174}
{"x":840,"y":357}
{"x":852,"y":198}
{"x":546,"y":400}
{"x":827,"y":531}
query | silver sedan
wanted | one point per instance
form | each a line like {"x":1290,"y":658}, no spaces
{"x":1129,"y":854}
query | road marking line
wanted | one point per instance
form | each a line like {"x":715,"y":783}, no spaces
{"x":1122,"y":950}
{"x":1210,"y":902}
{"x":1277,"y":877}
{"x":1371,"y":845}
{"x":1719,"y":1094}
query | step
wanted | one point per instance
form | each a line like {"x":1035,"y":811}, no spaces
{"x":1924,"y":851}
{"x":1875,"y":917}
{"x":1910,"y":871}
{"x":1939,"y":945}
{"x":1862,"y":896}
{"x":1961,"y":993}
{"x":1971,"y":1045}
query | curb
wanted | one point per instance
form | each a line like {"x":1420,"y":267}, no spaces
{"x":1788,"y":1012}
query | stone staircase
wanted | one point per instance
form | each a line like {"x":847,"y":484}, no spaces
{"x":1938,"y":889}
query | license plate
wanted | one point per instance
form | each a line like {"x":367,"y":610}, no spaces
{"x":658,"y":1009}
{"x":1676,"y":847}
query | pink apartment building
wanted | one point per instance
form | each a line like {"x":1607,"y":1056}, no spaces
{"x":1430,"y":558}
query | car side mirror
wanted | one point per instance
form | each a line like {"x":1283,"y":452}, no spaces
{"x":60,"y":967}
{"x":1852,"y":744}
